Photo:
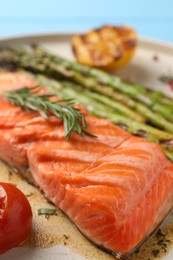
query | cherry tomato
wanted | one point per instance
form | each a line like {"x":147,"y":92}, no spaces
{"x":15,"y":217}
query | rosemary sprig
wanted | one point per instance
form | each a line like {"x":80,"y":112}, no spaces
{"x":30,"y":99}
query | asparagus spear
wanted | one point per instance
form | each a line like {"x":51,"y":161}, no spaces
{"x":70,"y":90}
{"x":134,"y":90}
{"x":43,"y":58}
{"x":26,"y":62}
{"x":155,"y":118}
{"x":168,"y":153}
{"x":155,"y":102}
{"x":33,"y":62}
{"x":98,"y":108}
{"x":45,"y":65}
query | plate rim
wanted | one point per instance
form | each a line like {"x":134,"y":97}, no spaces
{"x":143,"y":41}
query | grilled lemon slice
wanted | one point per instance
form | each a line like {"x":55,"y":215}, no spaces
{"x":109,"y":47}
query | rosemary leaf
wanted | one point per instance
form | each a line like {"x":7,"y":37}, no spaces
{"x":45,"y":211}
{"x":30,"y":99}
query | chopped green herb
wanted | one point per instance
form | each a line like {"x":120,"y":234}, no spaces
{"x":162,"y":241}
{"x":160,"y":234}
{"x":46,"y":212}
{"x":155,"y":252}
{"x":168,"y":241}
{"x":29,"y":195}
{"x":10,"y":173}
{"x":65,"y":236}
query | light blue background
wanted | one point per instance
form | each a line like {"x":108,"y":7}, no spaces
{"x":151,"y":18}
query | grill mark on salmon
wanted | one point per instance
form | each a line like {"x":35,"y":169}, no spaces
{"x":111,"y":197}
{"x":23,"y":128}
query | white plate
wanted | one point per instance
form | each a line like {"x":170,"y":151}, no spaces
{"x":152,"y":60}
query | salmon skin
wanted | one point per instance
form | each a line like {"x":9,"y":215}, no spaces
{"x":116,"y":188}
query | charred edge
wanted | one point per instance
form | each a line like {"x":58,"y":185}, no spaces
{"x":130,"y":43}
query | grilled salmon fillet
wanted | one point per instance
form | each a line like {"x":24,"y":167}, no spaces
{"x":116,"y":188}
{"x":118,"y":200}
{"x":19,"y":129}
{"x":11,"y":81}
